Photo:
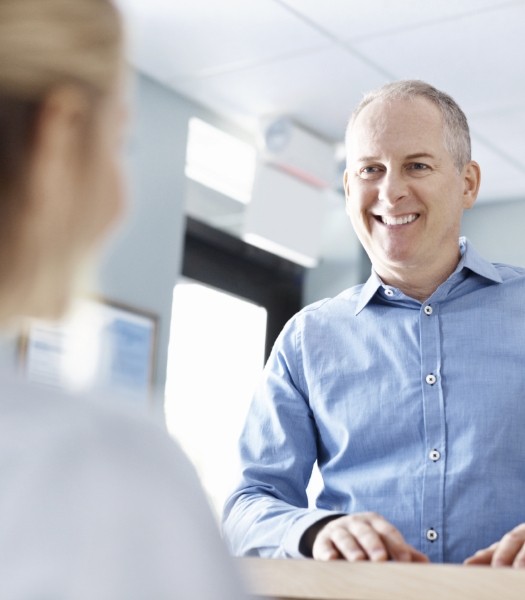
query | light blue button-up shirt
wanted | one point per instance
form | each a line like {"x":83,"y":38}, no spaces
{"x":413,"y":410}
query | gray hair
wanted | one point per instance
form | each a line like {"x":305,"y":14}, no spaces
{"x":455,"y":126}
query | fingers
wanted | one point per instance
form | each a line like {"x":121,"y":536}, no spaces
{"x":519,"y":560}
{"x":363,"y":533}
{"x":418,"y":557}
{"x":481,"y":557}
{"x":337,"y":542}
{"x":363,"y":536}
{"x":393,"y":541}
{"x":509,"y":551}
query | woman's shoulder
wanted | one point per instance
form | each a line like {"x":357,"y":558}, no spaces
{"x":95,"y":486}
{"x":48,"y":421}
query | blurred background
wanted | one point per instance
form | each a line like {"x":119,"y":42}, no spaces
{"x":236,"y":217}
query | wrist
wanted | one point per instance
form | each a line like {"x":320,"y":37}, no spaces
{"x":306,"y":543}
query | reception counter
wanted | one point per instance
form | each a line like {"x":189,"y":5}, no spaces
{"x":281,"y":579}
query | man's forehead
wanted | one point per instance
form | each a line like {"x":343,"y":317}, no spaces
{"x":381,"y":112}
{"x":408,"y":122}
{"x":408,"y":104}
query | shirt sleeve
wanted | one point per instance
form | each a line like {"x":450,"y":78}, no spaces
{"x":268,"y":512}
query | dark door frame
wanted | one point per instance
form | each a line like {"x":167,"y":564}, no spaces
{"x":225,"y":262}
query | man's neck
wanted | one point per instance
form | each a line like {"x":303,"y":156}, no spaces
{"x":419,"y":283}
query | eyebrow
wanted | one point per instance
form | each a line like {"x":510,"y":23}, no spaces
{"x":419,"y":155}
{"x":408,"y":157}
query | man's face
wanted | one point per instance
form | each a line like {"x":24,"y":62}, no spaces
{"x":404,"y":195}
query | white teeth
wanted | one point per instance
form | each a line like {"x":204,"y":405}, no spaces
{"x":398,"y":220}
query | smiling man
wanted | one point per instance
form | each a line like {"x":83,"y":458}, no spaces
{"x":406,"y":192}
{"x":409,"y":390}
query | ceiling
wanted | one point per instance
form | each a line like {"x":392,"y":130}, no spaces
{"x":312,"y":60}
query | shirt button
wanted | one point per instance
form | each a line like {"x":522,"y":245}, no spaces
{"x":428,"y":310}
{"x":434,"y":455}
{"x":432,"y":535}
{"x":431,"y":379}
{"x":389,"y":292}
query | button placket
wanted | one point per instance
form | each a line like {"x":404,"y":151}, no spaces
{"x":434,"y":418}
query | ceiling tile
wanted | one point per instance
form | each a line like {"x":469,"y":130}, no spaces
{"x":476,"y":60}
{"x":318,"y":90}
{"x":180,"y":40}
{"x":347,"y":20}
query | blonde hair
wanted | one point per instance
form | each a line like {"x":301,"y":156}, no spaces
{"x":45,"y":44}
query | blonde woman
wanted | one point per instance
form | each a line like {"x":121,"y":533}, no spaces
{"x":93,"y":504}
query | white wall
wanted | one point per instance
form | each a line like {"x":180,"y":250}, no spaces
{"x":497,"y":231}
{"x":341,"y":264}
{"x":143,"y":262}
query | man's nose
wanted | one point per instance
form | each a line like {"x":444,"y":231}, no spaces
{"x":392,"y":188}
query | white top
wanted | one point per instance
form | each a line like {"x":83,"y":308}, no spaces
{"x":98,"y":504}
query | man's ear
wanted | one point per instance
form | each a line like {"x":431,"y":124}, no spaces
{"x":346,"y":187}
{"x":471,"y":181}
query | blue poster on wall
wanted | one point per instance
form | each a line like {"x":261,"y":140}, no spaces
{"x":101,"y":345}
{"x":129,"y":347}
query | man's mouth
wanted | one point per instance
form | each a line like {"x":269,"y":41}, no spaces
{"x":402,"y":220}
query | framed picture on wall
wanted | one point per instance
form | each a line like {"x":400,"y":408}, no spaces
{"x":101,"y":345}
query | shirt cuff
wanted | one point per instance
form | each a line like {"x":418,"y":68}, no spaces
{"x":294,"y":534}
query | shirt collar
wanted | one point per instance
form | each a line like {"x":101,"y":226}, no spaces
{"x":367,"y":291}
{"x":470,"y":259}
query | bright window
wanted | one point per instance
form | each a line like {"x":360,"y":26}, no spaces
{"x":215,"y":359}
{"x":220,"y":161}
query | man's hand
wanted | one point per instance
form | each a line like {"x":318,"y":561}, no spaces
{"x":508,"y":552}
{"x":363,"y":536}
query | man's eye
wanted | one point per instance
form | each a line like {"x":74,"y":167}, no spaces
{"x":369,"y":171}
{"x":418,"y":166}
